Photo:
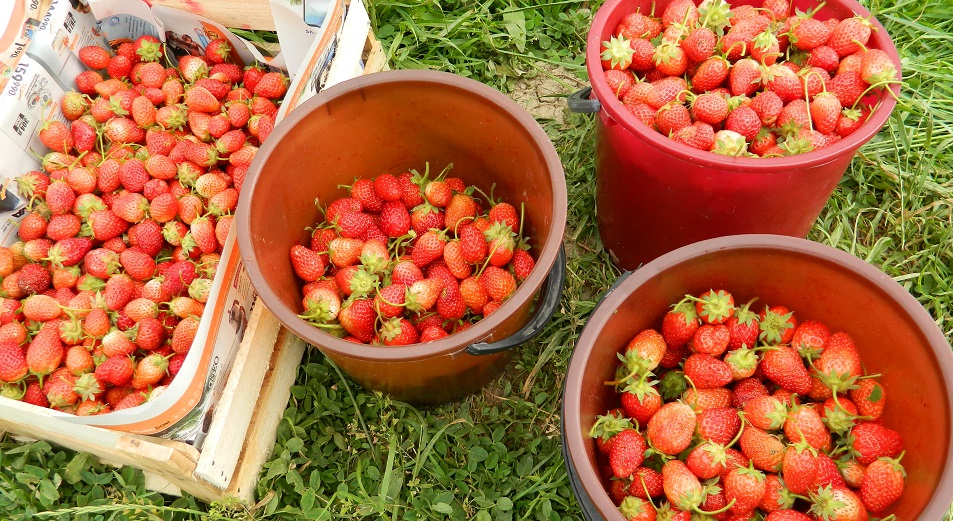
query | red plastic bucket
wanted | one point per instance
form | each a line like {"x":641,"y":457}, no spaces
{"x":654,"y":195}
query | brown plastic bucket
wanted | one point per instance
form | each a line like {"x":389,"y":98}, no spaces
{"x":390,"y":122}
{"x":894,"y":333}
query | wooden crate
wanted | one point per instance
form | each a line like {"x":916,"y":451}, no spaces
{"x":241,"y":436}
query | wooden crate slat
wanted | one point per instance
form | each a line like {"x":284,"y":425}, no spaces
{"x":241,"y":14}
{"x":234,"y":410}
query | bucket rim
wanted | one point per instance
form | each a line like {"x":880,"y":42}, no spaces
{"x":585,"y":344}
{"x":453,"y":344}
{"x":612,"y":107}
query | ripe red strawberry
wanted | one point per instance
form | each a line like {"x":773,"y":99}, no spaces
{"x":199,"y":99}
{"x":681,"y":487}
{"x":626,"y":452}
{"x":766,"y":413}
{"x":460,"y":210}
{"x":848,"y":87}
{"x":882,"y":484}
{"x":710,"y":339}
{"x":218,"y":51}
{"x":870,"y":398}
{"x":619,"y":81}
{"x":523,"y":264}
{"x":707,"y":460}
{"x":707,"y":372}
{"x":700,"y":44}
{"x":119,"y":66}
{"x":876,"y":67}
{"x":718,"y":425}
{"x":671,"y":118}
{"x":870,"y":441}
{"x":670,"y":59}
{"x":799,"y":468}
{"x":271,"y":85}
{"x":123,"y":130}
{"x":45,"y":353}
{"x":765,"y":451}
{"x":808,"y":33}
{"x":428,"y":248}
{"x":680,"y":12}
{"x":13,"y":364}
{"x":94,"y":57}
{"x":32,"y":278}
{"x":783,"y":366}
{"x":710,"y":74}
{"x":671,"y":428}
{"x":825,"y":112}
{"x":398,"y":331}
{"x":149,"y":371}
{"x":134,"y":399}
{"x":744,"y":489}
{"x":395,"y":220}
{"x":850,"y":35}
{"x":498,"y":283}
{"x":56,"y":136}
{"x":638,"y":25}
{"x":357,"y":318}
{"x":698,"y":135}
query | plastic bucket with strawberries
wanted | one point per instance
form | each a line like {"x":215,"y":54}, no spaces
{"x":389,"y":122}
{"x":655,"y":194}
{"x":894,"y":336}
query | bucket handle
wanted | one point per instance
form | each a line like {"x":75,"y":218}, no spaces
{"x":550,"y":295}
{"x":579,"y":101}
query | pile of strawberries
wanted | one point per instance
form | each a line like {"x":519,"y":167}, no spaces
{"x":104,"y":290}
{"x":407,"y":259}
{"x":746,"y":81}
{"x":741,"y":415}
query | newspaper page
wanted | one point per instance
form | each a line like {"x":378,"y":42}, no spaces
{"x":22,"y":17}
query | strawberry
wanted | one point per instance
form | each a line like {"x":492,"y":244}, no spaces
{"x":698,"y":135}
{"x":839,"y":364}
{"x":680,"y":12}
{"x":870,"y":441}
{"x":271,"y":85}
{"x":619,"y":81}
{"x":671,"y":118}
{"x":149,"y":371}
{"x":718,"y":425}
{"x":423,"y":294}
{"x":638,"y":25}
{"x":45,"y":353}
{"x":218,"y":51}
{"x":707,"y":460}
{"x":474,"y":294}
{"x":850,"y":35}
{"x":799,"y":468}
{"x":869,"y":397}
{"x":765,"y":451}
{"x":744,"y":489}
{"x":670,"y":59}
{"x":837,"y":504}
{"x":700,"y":44}
{"x":707,"y":372}
{"x":123,"y":130}
{"x":847,"y":87}
{"x":357,"y":318}
{"x":395,"y":221}
{"x":616,"y":54}
{"x":13,"y":363}
{"x":876,"y":67}
{"x":679,"y":324}
{"x":94,"y":57}
{"x":783,"y":366}
{"x":461,"y":209}
{"x":715,"y":307}
{"x":398,"y":331}
{"x":199,"y":99}
{"x":626,"y":452}
{"x":766,"y":413}
{"x":710,"y":74}
{"x":134,"y":399}
{"x":59,"y":389}
{"x":118,"y":67}
{"x":640,"y":401}
{"x":681,"y":487}
{"x":670,"y":429}
{"x":41,"y":308}
{"x":523,"y":264}
{"x":825,"y":112}
{"x":701,"y":399}
{"x":710,"y":339}
{"x":882,"y":484}
{"x":808,"y":33}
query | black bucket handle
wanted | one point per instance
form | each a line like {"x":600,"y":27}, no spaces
{"x":579,"y":102}
{"x":549,"y":298}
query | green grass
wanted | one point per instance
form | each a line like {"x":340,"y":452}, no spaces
{"x":347,"y":453}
